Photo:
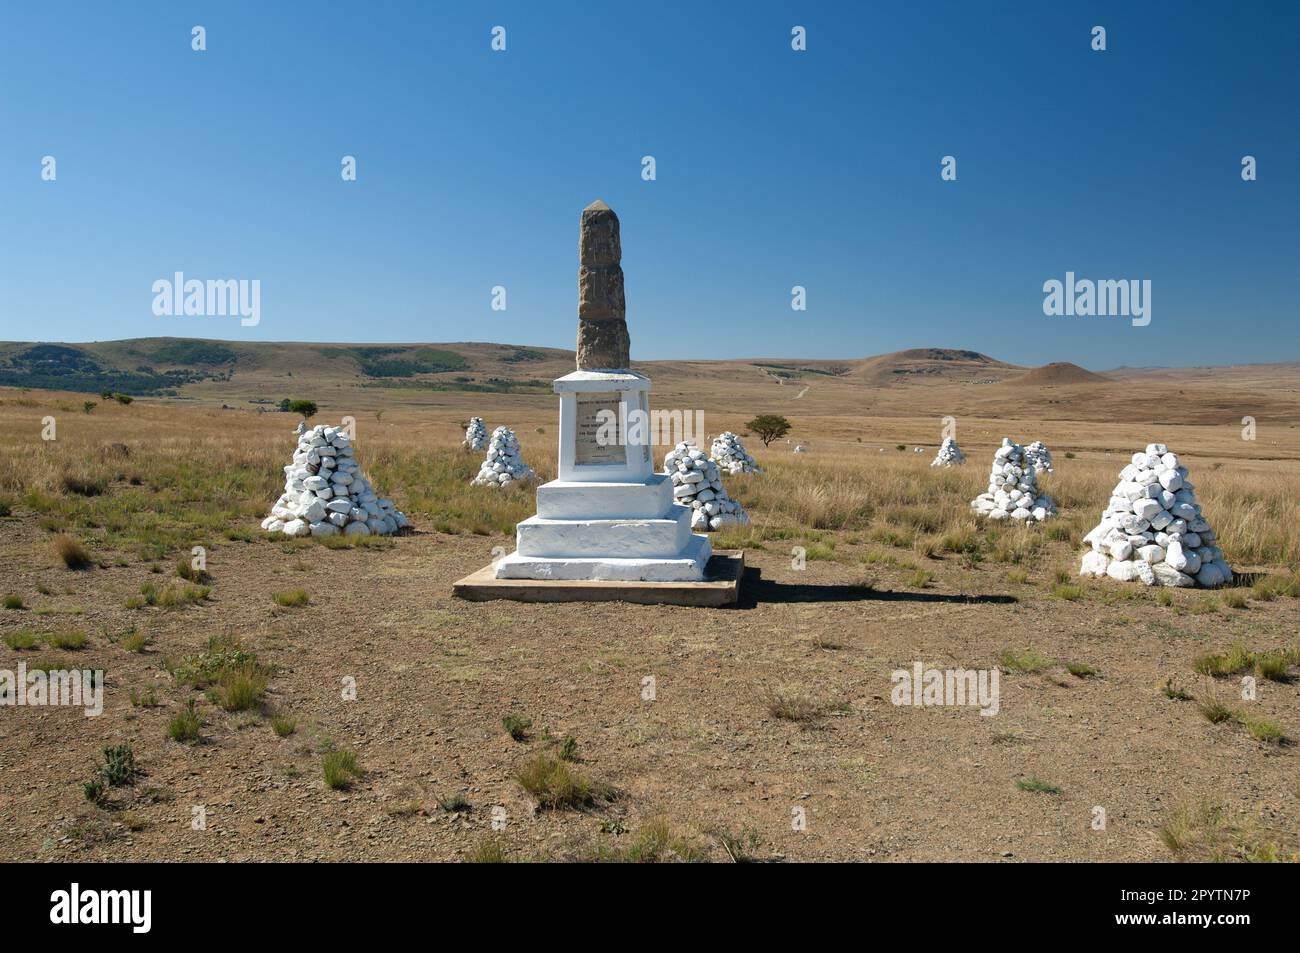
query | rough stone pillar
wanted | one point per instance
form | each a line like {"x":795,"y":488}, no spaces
{"x":603,"y":341}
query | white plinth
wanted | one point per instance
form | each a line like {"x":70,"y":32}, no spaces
{"x":608,"y":516}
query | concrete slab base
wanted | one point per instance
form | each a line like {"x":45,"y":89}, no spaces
{"x":720,"y":587}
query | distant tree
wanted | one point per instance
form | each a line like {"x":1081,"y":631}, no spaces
{"x":305,"y":407}
{"x":88,"y":406}
{"x":769,"y":427}
{"x":123,"y":399}
{"x":284,"y":405}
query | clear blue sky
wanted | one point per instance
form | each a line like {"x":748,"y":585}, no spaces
{"x":775,"y":168}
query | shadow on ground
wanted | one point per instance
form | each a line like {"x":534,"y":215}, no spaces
{"x":754,"y":589}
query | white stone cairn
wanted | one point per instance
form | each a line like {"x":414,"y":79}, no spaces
{"x":1013,"y":491}
{"x":503,"y":464}
{"x":800,"y":448}
{"x":730,"y":454}
{"x":697,"y":483}
{"x":1039,"y":457}
{"x":325,"y":492}
{"x":1152,"y":529}
{"x":476,"y":435}
{"x":949,"y":454}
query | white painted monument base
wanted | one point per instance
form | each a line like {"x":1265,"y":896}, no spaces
{"x":608,"y":517}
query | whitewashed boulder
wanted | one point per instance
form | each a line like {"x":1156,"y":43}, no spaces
{"x":949,"y":454}
{"x":476,"y":435}
{"x":324,"y":488}
{"x":1013,"y":491}
{"x":730,"y":454}
{"x":1153,"y":530}
{"x":697,"y":483}
{"x":1039,"y":457}
{"x":503,"y":464}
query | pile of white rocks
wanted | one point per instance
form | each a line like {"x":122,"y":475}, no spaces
{"x":1039,"y":457}
{"x":476,"y":435}
{"x":1013,"y":489}
{"x":697,"y":483}
{"x":949,"y":454}
{"x":503,"y":464}
{"x":730,"y":454}
{"x":1153,"y":531}
{"x":326,"y":493}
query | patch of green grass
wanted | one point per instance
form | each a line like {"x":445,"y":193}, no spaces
{"x":1080,"y":670}
{"x":557,"y":784}
{"x":1207,"y":606}
{"x":340,"y":768}
{"x":144,"y":699}
{"x":1068,"y":592}
{"x":70,"y":641}
{"x":1058,"y":532}
{"x":1206,"y":832}
{"x":1235,"y":661}
{"x":20,"y":640}
{"x":1023,"y":662}
{"x":184,"y":725}
{"x":1175,"y":692}
{"x":1017,"y":577}
{"x":133,"y":641}
{"x":13,"y":602}
{"x":1235,"y":600}
{"x":169,"y":597}
{"x":283,"y":725}
{"x":1037,"y":785}
{"x":240,"y":689}
{"x":1274,"y":666}
{"x":186,"y":571}
{"x":920,"y":579}
{"x":488,"y":851}
{"x":1164,"y":598}
{"x":1262,"y":729}
{"x":517,"y":726}
{"x":291,"y":598}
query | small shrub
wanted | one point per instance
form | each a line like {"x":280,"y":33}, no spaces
{"x":294,"y":597}
{"x":94,"y":790}
{"x":340,"y":768}
{"x":72,"y":552}
{"x":1164,"y":598}
{"x":1235,"y":661}
{"x":1070,"y":593}
{"x":1274,"y":666}
{"x":1175,"y":692}
{"x":1215,"y":711}
{"x":455,"y":804}
{"x":184,"y":725}
{"x":1079,"y":670}
{"x":240,"y":689}
{"x":119,"y":767}
{"x":187,"y":572}
{"x":920,"y":579}
{"x":144,"y":699}
{"x":516,"y":726}
{"x":134,"y":641}
{"x":568,"y":749}
{"x":1234,"y":600}
{"x":14,"y":602}
{"x":1262,"y":729}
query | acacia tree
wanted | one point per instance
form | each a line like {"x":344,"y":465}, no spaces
{"x":769,"y":427}
{"x":305,"y":407}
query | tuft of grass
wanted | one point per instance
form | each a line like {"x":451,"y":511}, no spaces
{"x":455,"y":804}
{"x":1080,"y":670}
{"x":517,"y":726}
{"x":291,"y":598}
{"x":795,"y":706}
{"x":1235,"y":600}
{"x":240,"y":688}
{"x":20,"y":640}
{"x":556,"y":784}
{"x":283,"y":725}
{"x":340,"y":768}
{"x":1024,"y":662}
{"x":144,"y":699}
{"x":1175,"y":692}
{"x":134,"y":641}
{"x":187,"y":572}
{"x":1207,"y":606}
{"x":1017,"y":577}
{"x":66,"y":640}
{"x":920,"y":579}
{"x":74,"y":555}
{"x":1235,"y":661}
{"x":184,"y":725}
{"x":14,"y":602}
{"x":1070,"y":592}
{"x":1262,"y":729}
{"x":1274,"y":666}
{"x":488,"y":851}
{"x":1215,"y":711}
{"x":1037,"y":785}
{"x":1164,"y":598}
{"x":1206,"y":832}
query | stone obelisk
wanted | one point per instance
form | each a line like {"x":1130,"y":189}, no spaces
{"x":602,"y":310}
{"x":609,"y":516}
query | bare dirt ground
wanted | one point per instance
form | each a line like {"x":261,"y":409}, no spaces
{"x":778,"y":705}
